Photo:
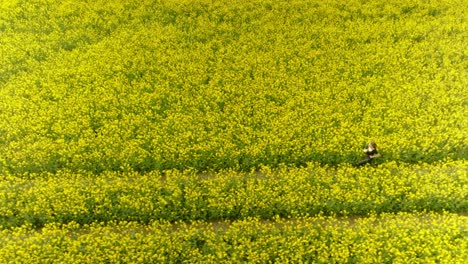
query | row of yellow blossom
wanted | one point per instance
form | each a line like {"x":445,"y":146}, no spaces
{"x":389,"y":238}
{"x":187,"y":196}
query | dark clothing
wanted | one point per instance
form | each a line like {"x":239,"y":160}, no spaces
{"x":371,"y":153}
{"x":369,"y":158}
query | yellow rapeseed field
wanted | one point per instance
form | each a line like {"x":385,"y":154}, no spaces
{"x":199,"y":131}
{"x":401,"y":238}
{"x":155,"y":85}
{"x":285,"y":192}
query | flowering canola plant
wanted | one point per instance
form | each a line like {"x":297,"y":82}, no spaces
{"x":401,"y":238}
{"x":287,"y":192}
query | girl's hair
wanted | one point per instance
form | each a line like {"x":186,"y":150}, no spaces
{"x":372,"y":145}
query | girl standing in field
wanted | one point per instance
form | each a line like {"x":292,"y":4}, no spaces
{"x":371,"y":152}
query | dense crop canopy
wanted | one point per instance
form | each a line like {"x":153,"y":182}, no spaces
{"x":287,"y":192}
{"x":398,"y":238}
{"x":152,"y":85}
{"x":195,"y":131}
